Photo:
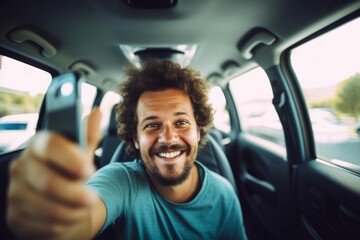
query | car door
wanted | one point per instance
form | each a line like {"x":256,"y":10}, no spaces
{"x":259,"y":159}
{"x":296,"y":158}
{"x":327,"y":181}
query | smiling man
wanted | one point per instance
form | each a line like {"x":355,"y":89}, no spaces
{"x":164,"y":116}
{"x":168,"y":136}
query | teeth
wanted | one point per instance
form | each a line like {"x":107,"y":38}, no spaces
{"x":170,"y":155}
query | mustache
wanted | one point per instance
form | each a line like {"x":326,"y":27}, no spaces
{"x":168,"y":147}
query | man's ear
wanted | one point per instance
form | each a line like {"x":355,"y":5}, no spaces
{"x":136,"y":143}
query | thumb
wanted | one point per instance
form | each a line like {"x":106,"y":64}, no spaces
{"x":94,"y":133}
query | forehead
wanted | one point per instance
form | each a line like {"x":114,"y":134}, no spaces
{"x":165,"y":101}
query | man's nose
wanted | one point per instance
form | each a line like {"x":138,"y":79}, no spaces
{"x":168,"y":135}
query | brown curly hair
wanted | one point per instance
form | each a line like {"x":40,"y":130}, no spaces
{"x":157,"y":76}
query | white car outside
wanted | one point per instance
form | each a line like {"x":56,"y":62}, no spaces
{"x":16,"y":130}
{"x":327,"y":128}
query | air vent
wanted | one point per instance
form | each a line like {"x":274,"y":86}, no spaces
{"x":181,"y":54}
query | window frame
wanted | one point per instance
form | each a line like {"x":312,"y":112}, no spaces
{"x":302,"y":111}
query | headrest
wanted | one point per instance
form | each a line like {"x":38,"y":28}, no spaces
{"x":112,"y":130}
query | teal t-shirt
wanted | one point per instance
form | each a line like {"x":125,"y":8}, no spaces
{"x":126,"y":191}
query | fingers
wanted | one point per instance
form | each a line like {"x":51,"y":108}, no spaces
{"x":54,"y":186}
{"x":38,"y":230}
{"x":59,"y":153}
{"x":46,"y":197}
{"x":28,"y":226}
{"x":47,"y":210}
{"x":65,"y":156}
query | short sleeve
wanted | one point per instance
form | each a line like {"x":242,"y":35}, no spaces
{"x":113,"y":185}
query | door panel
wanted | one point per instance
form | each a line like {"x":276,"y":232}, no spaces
{"x":328,"y":190}
{"x":264,"y":182}
{"x":5,"y":160}
{"x":328,"y":201}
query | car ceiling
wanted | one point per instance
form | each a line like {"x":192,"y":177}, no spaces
{"x":90,"y":31}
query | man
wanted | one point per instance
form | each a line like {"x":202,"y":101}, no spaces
{"x":165,"y":194}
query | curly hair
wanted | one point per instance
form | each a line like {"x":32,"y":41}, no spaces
{"x":157,"y":76}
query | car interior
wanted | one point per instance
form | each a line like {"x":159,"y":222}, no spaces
{"x":284,"y":81}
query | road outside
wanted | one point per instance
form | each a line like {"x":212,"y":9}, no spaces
{"x":348,"y":151}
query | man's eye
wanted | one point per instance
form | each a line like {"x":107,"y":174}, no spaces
{"x":182,"y":123}
{"x":152,"y":125}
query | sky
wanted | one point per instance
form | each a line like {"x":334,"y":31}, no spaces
{"x":317,"y":63}
{"x":322,"y":62}
{"x":19,"y":76}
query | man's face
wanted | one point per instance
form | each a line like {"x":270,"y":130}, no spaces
{"x":167,"y":135}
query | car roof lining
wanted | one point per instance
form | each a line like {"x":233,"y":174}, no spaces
{"x":112,"y":23}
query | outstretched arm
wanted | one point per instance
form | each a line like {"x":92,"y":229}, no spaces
{"x":47,"y":196}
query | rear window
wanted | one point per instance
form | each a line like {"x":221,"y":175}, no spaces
{"x":221,"y":114}
{"x":257,"y":115}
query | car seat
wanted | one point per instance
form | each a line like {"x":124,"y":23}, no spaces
{"x":111,"y":139}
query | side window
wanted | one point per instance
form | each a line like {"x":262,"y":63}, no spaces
{"x":328,"y":71}
{"x":253,"y":98}
{"x":221,"y":115}
{"x":22,"y":89}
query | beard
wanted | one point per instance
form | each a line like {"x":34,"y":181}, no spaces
{"x":166,"y":181}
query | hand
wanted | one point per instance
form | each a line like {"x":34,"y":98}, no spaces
{"x":47,"y":198}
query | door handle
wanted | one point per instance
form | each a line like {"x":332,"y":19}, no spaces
{"x":260,"y":187}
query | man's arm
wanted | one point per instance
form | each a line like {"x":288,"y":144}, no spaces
{"x":234,"y":227}
{"x":47,"y":196}
{"x":98,"y":216}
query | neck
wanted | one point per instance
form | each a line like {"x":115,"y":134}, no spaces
{"x":183,"y":192}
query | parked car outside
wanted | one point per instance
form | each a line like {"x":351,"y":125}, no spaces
{"x":326,"y":126}
{"x":16,"y":130}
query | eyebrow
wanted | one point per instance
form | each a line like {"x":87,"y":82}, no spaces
{"x":156,"y":117}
